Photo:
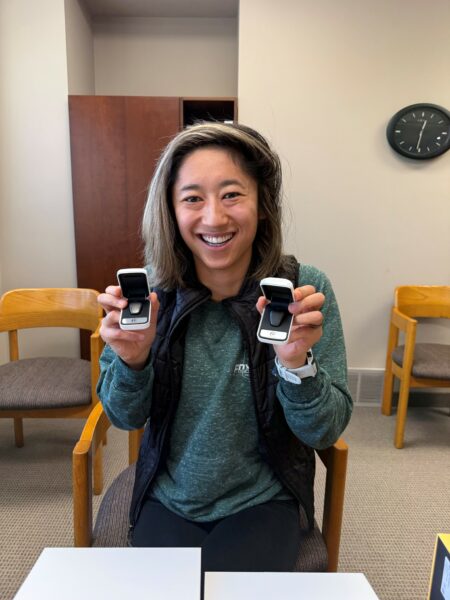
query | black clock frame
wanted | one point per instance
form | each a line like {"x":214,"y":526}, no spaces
{"x":394,"y":122}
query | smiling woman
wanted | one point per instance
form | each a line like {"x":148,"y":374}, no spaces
{"x":218,"y":223}
{"x":247,"y":158}
{"x":227,"y":459}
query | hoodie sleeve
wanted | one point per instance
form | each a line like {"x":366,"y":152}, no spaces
{"x":125,"y":394}
{"x":319,"y":409}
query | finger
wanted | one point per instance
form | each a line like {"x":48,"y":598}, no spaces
{"x":313,"y":319}
{"x":310,"y":303}
{"x":303,"y":292}
{"x":154,"y":301}
{"x":154,"y":308}
{"x":310,"y":334}
{"x":109,"y":323}
{"x":261,"y":304}
{"x":114,"y":290}
{"x":112,"y":319}
{"x":110,"y":302}
{"x":111,"y":332}
{"x":124,"y":335}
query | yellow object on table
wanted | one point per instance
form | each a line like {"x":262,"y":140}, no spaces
{"x":440,"y":572}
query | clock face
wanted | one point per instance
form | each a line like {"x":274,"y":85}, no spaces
{"x":420,"y":131}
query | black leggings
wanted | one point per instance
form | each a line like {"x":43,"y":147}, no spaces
{"x":261,"y":538}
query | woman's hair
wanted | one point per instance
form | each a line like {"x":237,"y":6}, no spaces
{"x":165,"y":251}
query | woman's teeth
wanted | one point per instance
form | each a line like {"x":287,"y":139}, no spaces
{"x":217,"y":240}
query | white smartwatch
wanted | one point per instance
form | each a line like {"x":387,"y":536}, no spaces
{"x":296,"y":375}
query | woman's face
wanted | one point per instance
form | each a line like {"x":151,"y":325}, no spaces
{"x":216,"y":208}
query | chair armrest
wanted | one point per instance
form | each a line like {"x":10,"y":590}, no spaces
{"x":335,"y":460}
{"x":88,"y":445}
{"x":134,"y":443}
{"x":402,"y":321}
{"x":97,"y":345}
{"x":409,"y":326}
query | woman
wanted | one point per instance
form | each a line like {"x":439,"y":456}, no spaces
{"x":227,"y":457}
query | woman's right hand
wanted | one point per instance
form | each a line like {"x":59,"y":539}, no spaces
{"x":133,"y":347}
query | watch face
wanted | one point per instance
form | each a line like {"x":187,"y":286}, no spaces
{"x":420,"y":131}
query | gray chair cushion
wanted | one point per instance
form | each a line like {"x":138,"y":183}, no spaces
{"x":312,"y":556}
{"x":111,"y":526}
{"x":431,"y":361}
{"x":34,"y":383}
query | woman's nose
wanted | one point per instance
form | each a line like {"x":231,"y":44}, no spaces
{"x":214,"y":213}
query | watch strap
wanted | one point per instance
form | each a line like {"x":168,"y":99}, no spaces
{"x":296,"y":375}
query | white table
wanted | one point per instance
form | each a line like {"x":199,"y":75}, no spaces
{"x":172,"y":574}
{"x":288,"y":586}
{"x":114,"y":574}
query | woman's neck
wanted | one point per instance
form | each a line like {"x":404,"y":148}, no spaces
{"x":222,"y":284}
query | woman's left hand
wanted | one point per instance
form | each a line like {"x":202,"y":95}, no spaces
{"x":306,"y":327}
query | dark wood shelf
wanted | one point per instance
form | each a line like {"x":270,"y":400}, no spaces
{"x":207,"y":109}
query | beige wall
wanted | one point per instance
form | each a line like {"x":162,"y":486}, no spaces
{"x":321,"y":79}
{"x":80,"y":49}
{"x":322,"y":83}
{"x":36,"y":228}
{"x":166,"y":57}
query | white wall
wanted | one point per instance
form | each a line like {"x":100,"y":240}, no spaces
{"x":322,"y":82}
{"x":36,"y":228}
{"x":321,"y":79}
{"x":80,"y":49}
{"x":165,"y":57}
{"x":46,"y":52}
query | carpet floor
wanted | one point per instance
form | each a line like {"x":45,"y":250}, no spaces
{"x":396,"y":500}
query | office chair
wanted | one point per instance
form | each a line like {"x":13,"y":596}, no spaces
{"x":415,"y":364}
{"x":49,"y":387}
{"x":320,"y":551}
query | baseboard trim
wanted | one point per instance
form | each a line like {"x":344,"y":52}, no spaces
{"x":366,"y":388}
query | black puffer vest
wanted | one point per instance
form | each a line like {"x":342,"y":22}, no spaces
{"x":292,"y":461}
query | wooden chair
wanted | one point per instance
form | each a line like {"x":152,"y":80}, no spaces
{"x":57,"y":387}
{"x":111,"y":525}
{"x":415,"y":365}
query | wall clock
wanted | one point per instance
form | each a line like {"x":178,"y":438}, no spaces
{"x":420,"y":131}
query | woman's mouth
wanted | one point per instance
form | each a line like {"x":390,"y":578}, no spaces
{"x":216,"y":240}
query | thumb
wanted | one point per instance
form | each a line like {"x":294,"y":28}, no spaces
{"x":154,"y":303}
{"x":261,"y":304}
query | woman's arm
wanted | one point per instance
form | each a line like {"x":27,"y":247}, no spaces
{"x":318,"y":409}
{"x":124,"y":392}
{"x":126,"y":375}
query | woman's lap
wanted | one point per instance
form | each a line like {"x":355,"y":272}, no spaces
{"x":265,"y":537}
{"x":158,"y":527}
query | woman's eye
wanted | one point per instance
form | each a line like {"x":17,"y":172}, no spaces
{"x":231,"y":195}
{"x":191,"y":199}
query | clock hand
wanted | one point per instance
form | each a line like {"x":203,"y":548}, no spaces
{"x":420,"y":135}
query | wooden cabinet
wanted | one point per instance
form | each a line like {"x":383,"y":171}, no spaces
{"x":115,"y":143}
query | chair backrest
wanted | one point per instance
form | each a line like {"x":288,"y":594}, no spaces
{"x":49,"y":307}
{"x":424,"y":300}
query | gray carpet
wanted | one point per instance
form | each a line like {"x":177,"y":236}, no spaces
{"x":396,"y":500}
